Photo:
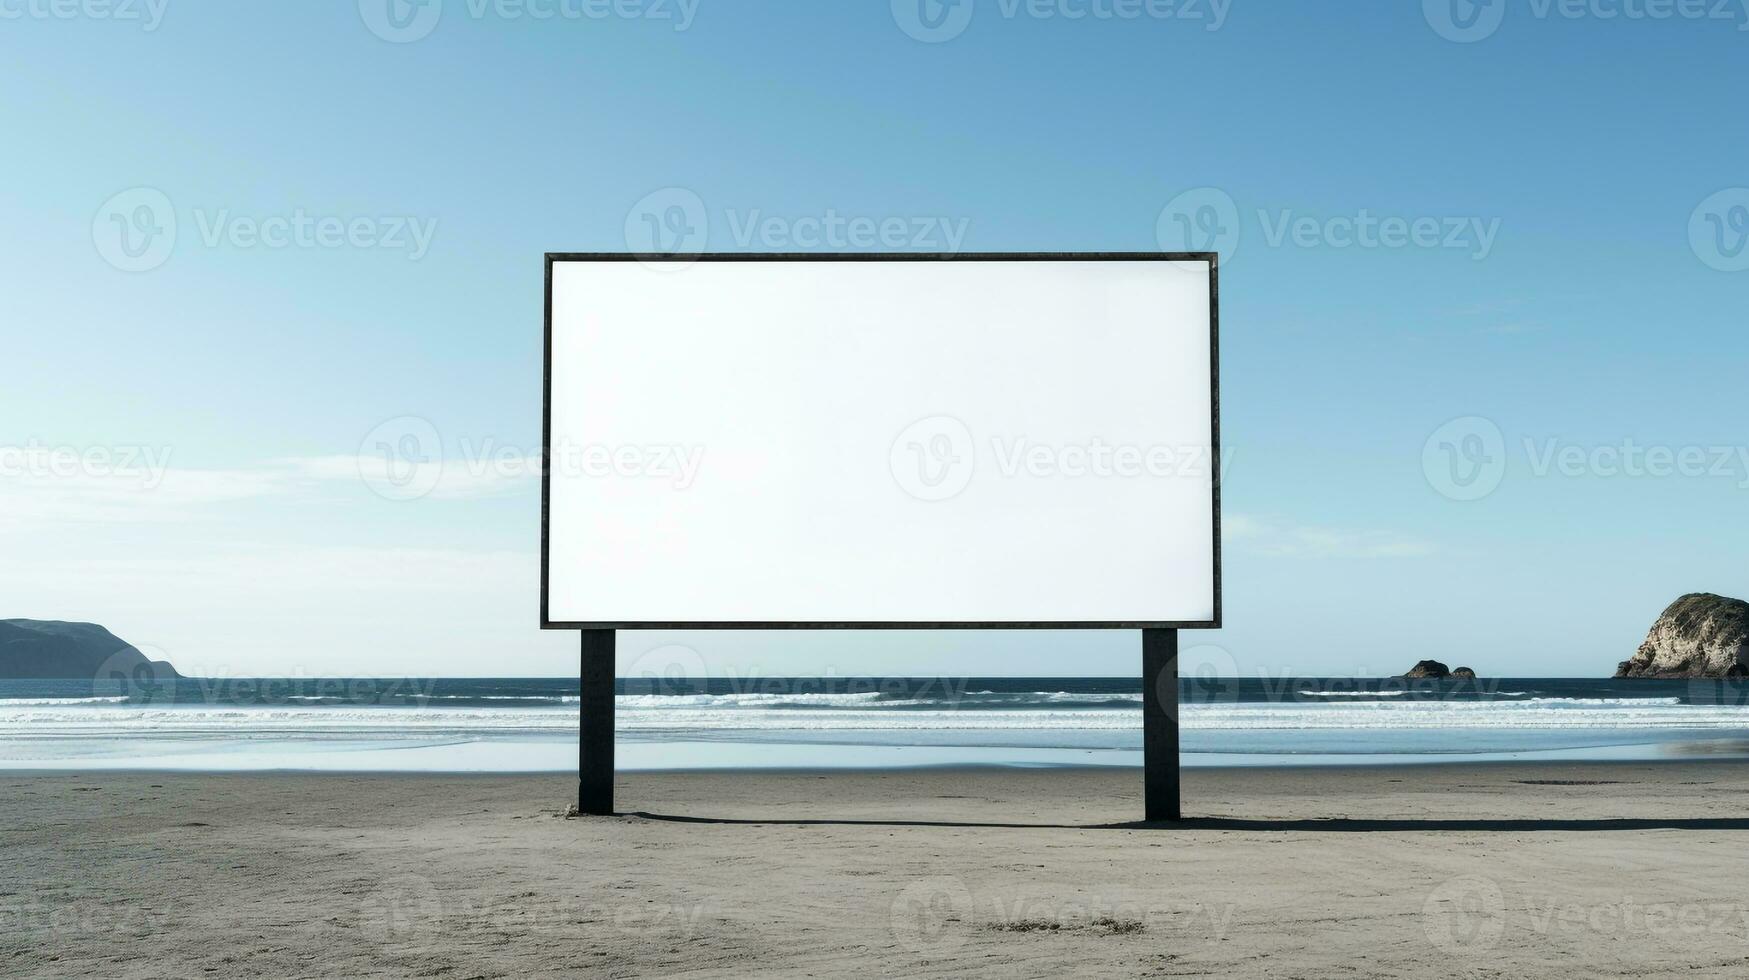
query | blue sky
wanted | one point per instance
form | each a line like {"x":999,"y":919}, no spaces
{"x":1585,"y":170}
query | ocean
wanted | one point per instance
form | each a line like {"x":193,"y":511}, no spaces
{"x":529,"y":725}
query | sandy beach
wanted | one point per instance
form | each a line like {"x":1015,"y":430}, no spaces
{"x":1504,"y":870}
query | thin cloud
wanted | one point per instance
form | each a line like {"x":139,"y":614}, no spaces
{"x":35,"y":491}
{"x":449,"y":479}
{"x":1309,"y":541}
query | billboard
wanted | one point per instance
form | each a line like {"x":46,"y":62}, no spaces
{"x":881,"y":441}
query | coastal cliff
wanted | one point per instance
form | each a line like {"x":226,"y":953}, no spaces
{"x":1699,"y":635}
{"x":45,"y":649}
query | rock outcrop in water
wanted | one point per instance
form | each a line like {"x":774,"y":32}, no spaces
{"x":1428,"y":668}
{"x":44,"y":649}
{"x":1700,"y":635}
{"x":1463,"y":673}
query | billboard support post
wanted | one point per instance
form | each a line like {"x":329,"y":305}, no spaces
{"x":595,"y":726}
{"x":1160,"y":724}
{"x":619,"y":554}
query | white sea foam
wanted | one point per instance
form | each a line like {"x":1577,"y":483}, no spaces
{"x":967,"y":701}
{"x":849,"y":712}
{"x":692,"y":701}
{"x":548,"y":698}
{"x":245,"y":720}
{"x":38,"y":702}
